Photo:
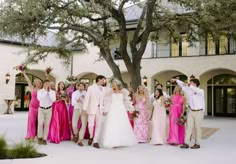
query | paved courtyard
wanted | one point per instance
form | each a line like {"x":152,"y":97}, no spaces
{"x":217,"y":149}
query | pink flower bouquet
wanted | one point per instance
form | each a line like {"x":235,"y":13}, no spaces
{"x":21,"y":67}
{"x":181,"y":120}
{"x":48,"y":70}
{"x":71,"y":78}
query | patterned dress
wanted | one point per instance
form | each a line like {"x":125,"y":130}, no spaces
{"x":141,"y":123}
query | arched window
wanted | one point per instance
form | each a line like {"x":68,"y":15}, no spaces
{"x":222,"y":79}
{"x":21,"y":79}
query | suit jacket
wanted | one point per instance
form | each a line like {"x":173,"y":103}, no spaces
{"x":94,"y":99}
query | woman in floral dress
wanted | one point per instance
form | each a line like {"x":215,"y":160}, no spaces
{"x":141,"y":123}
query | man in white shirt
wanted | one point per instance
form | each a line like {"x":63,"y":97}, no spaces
{"x":195,"y":115}
{"x":77,"y":101}
{"x":46,"y":97}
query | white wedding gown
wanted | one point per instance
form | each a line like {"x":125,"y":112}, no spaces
{"x":117,"y":130}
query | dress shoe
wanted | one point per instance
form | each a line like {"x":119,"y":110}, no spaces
{"x":96,"y":145}
{"x":75,"y":138}
{"x":80,"y":144}
{"x":42,"y":142}
{"x":184,"y":146}
{"x":90,"y":141}
{"x":195,"y":146}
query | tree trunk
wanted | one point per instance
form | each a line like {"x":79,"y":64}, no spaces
{"x":136,"y":75}
{"x":106,"y":53}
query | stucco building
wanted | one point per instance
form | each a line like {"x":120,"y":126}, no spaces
{"x":214,"y":64}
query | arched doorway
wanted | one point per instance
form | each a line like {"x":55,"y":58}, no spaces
{"x":221,"y":97}
{"x":164,"y":79}
{"x":88,"y":78}
{"x":22,"y":92}
{"x":170,"y":86}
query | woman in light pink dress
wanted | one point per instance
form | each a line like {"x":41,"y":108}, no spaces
{"x":158,"y":117}
{"x":176,"y":131}
{"x":59,"y":128}
{"x":33,"y":108}
{"x":141,"y":123}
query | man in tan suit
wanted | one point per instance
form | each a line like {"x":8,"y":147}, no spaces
{"x":94,"y":107}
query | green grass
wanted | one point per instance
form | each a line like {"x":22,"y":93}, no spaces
{"x":20,"y":150}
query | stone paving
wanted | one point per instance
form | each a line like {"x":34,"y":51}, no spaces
{"x":220,"y":148}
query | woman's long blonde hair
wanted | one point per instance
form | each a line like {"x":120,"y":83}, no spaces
{"x":176,"y":89}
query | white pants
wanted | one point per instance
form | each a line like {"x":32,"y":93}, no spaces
{"x":75,"y":118}
{"x":44,"y":118}
{"x":194,"y":120}
{"x":98,"y":119}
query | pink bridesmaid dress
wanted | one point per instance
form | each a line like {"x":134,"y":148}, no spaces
{"x":158,"y":124}
{"x":176,"y":131}
{"x":59,"y":128}
{"x":32,"y":116}
{"x":69,"y":91}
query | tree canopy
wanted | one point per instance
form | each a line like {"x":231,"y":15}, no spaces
{"x":78,"y":22}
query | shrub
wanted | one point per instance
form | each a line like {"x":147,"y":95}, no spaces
{"x":19,"y":150}
{"x":23,"y":150}
{"x":3,"y":148}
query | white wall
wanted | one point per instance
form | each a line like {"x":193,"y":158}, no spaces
{"x":11,"y":57}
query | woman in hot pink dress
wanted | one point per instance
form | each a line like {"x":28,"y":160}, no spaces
{"x":70,"y":89}
{"x":141,"y":123}
{"x":176,"y":131}
{"x":131,"y":95}
{"x":33,"y":108}
{"x":158,"y":117}
{"x":59,"y":128}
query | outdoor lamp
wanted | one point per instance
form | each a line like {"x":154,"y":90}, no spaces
{"x":145,"y":80}
{"x":7,"y":77}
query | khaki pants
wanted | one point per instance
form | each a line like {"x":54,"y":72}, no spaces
{"x":44,"y":118}
{"x":75,"y":118}
{"x":194,"y":120}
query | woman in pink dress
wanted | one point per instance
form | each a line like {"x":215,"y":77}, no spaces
{"x":158,"y":117}
{"x":141,"y":123}
{"x":176,"y":131}
{"x":70,"y":89}
{"x":59,"y":128}
{"x":33,"y":108}
{"x":131,"y":95}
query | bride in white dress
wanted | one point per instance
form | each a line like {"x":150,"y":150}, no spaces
{"x":117,"y":130}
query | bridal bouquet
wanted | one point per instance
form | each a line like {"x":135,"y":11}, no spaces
{"x":48,"y":70}
{"x":181,"y":120}
{"x":21,"y":67}
{"x":71,"y":78}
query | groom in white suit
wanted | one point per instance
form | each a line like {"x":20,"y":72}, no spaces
{"x":94,"y":107}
